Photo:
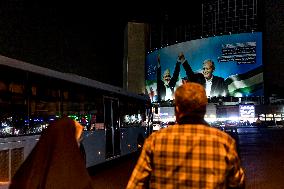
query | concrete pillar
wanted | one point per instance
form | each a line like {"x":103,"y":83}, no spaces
{"x":135,"y":40}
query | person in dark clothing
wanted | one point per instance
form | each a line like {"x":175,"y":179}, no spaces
{"x":55,"y":161}
{"x":167,"y":84}
{"x":214,"y":85}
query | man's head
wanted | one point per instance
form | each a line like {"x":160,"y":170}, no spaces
{"x":208,"y":68}
{"x":167,"y":76}
{"x":190,"y":100}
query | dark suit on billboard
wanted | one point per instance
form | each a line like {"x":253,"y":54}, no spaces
{"x":218,"y":87}
{"x":161,"y":85}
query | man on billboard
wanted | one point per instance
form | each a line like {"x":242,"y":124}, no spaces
{"x":167,"y":84}
{"x":214,"y":85}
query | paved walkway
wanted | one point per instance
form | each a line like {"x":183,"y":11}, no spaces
{"x":262,"y":155}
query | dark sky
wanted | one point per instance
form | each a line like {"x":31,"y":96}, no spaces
{"x":78,"y":37}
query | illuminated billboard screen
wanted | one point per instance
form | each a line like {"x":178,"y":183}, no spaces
{"x":247,"y":111}
{"x":167,"y":114}
{"x":234,"y":61}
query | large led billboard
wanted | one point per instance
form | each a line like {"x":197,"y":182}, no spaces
{"x":235,"y":61}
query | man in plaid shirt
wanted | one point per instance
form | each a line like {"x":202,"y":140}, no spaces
{"x":190,"y":154}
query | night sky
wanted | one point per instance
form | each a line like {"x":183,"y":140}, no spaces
{"x":82,"y":38}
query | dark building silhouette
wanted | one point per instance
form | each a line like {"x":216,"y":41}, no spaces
{"x":77,"y":38}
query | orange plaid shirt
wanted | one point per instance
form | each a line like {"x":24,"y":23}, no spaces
{"x":188,"y":156}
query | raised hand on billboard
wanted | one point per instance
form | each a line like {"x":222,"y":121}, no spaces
{"x":158,"y":60}
{"x":181,"y":57}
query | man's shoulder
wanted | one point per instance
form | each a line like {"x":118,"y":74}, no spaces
{"x":200,"y":131}
{"x":210,"y":131}
{"x":165,"y":131}
{"x":199,"y":77}
{"x":187,"y":128}
{"x":199,"y":74}
{"x":221,"y":136}
{"x":218,"y":78}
